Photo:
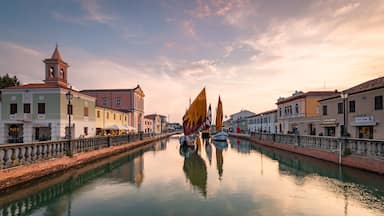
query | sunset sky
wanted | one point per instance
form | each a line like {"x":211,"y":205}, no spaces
{"x":248,"y":52}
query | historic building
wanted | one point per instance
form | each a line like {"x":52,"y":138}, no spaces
{"x":239,"y":121}
{"x":130,"y":101}
{"x":110,"y":121}
{"x":148,"y":125}
{"x":39,"y":111}
{"x":159,"y":122}
{"x":361,"y":108}
{"x":265,"y":122}
{"x":300,"y":113}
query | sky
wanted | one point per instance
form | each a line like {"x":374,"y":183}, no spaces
{"x":250,"y":52}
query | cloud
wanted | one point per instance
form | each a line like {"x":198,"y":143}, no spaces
{"x":189,"y":27}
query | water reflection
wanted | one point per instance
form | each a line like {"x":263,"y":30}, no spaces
{"x":208,"y":150}
{"x":220,"y":146}
{"x":195,"y":169}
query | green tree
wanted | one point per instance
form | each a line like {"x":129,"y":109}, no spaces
{"x":7,"y":81}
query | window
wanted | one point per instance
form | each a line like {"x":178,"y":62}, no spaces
{"x":85,"y":111}
{"x":13,"y":108}
{"x":98,"y":113}
{"x":379,"y":102}
{"x":27,"y":108}
{"x":104,"y":101}
{"x":114,"y":116}
{"x":120,"y":116}
{"x":297,"y":108}
{"x":340,"y":108}
{"x":41,"y":108}
{"x":62,"y":73}
{"x":86,"y":131}
{"x":118,"y":101}
{"x":107,"y":115}
{"x":352,"y":108}
{"x":325,"y":110}
{"x":280,"y":111}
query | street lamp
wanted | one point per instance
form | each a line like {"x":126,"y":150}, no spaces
{"x":69,"y":97}
{"x":344,"y":96}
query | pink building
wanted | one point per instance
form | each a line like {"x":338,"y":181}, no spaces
{"x":126,"y":100}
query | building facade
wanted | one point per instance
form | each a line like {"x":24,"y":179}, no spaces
{"x":148,"y":125}
{"x":38,"y":111}
{"x":130,"y":101}
{"x":265,"y":122}
{"x":159,"y":122}
{"x":108,"y":120}
{"x":239,"y":121}
{"x":300,"y":113}
{"x":361,"y":107}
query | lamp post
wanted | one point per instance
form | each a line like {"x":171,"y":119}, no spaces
{"x":344,"y":97}
{"x":261,"y":126}
{"x":69,"y":97}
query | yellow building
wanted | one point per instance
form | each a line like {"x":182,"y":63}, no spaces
{"x":113,"y":122}
{"x":300,"y":113}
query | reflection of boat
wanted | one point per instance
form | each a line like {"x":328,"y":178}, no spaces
{"x":220,"y":135}
{"x":208,"y":151}
{"x":187,"y":150}
{"x":219,"y":161}
{"x":196,"y":172}
{"x":194,"y":118}
{"x":220,"y":144}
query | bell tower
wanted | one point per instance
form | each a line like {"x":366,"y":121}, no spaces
{"x":56,"y":69}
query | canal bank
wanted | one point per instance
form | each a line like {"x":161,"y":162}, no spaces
{"x":375,"y":165}
{"x":23,"y":174}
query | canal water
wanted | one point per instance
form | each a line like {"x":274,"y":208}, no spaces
{"x":237,"y":179}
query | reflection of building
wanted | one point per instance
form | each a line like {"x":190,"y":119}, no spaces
{"x":301,"y":112}
{"x":265,"y":121}
{"x":133,"y":171}
{"x":364,"y":113}
{"x":130,"y":101}
{"x":38,"y":111}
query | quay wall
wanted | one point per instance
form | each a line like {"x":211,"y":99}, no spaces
{"x":331,"y":153}
{"x":26,"y":169}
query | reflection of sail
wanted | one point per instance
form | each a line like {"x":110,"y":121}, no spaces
{"x":196,"y":114}
{"x":208,"y":151}
{"x":219,"y":162}
{"x":196,"y":172}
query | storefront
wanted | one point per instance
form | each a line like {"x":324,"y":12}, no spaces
{"x":329,"y":126}
{"x":364,"y":126}
{"x":15,"y":133}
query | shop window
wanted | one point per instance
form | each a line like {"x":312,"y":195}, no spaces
{"x":41,"y":108}
{"x":352,"y":106}
{"x":13,"y":109}
{"x":85,"y":131}
{"x":27,"y":108}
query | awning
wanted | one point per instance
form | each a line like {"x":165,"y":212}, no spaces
{"x":120,"y":127}
{"x":364,"y":124}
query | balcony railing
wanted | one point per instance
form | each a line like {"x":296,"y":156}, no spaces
{"x":12,"y":155}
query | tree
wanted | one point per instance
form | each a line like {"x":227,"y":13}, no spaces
{"x":7,"y":81}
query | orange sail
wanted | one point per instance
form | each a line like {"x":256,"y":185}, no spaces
{"x":219,"y":116}
{"x":196,"y":114}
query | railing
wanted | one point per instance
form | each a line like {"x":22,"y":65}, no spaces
{"x":12,"y":155}
{"x":360,"y":147}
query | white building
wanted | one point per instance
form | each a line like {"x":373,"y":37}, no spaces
{"x":265,"y":121}
{"x":239,"y":121}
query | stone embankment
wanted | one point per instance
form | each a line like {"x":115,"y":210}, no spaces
{"x":18,"y":175}
{"x":368,"y":163}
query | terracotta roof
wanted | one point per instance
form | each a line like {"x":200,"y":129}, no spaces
{"x":365,"y":86}
{"x":40,"y":85}
{"x":307,"y":94}
{"x":371,"y":84}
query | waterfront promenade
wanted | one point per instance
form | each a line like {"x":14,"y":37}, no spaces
{"x":22,"y":163}
{"x":357,"y":153}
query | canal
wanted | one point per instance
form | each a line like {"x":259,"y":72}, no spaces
{"x":237,"y":179}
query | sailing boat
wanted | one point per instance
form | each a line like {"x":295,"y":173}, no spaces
{"x":207,"y":125}
{"x":194,"y":118}
{"x":220,"y":135}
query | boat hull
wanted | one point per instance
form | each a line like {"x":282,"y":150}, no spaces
{"x":220,"y":136}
